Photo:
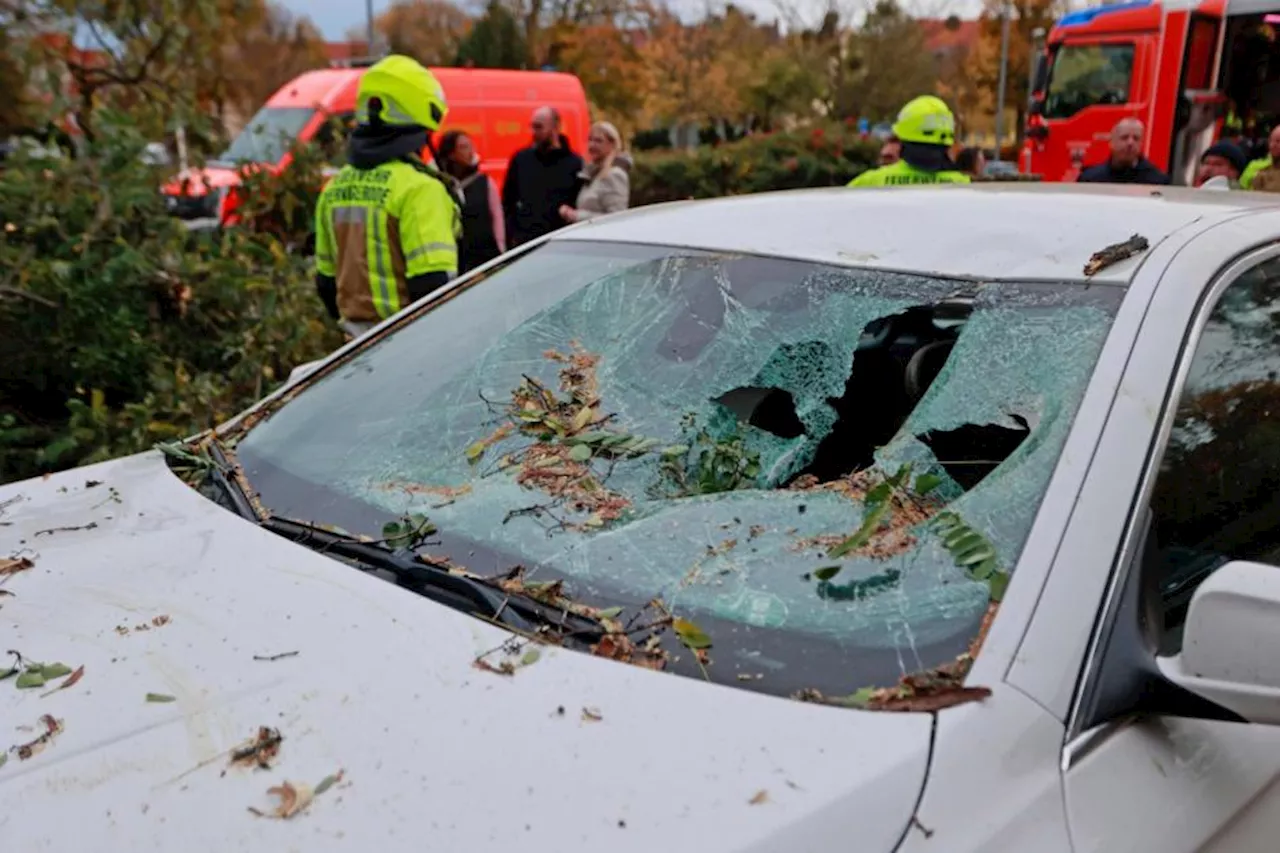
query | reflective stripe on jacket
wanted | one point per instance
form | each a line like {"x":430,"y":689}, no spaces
{"x":903,"y":173}
{"x":376,"y":228}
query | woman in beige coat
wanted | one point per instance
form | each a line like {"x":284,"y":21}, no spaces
{"x":608,"y":182}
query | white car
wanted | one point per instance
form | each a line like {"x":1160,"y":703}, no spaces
{"x":814,"y":521}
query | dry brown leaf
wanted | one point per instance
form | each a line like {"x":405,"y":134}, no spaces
{"x":506,"y":667}
{"x":13,"y":565}
{"x":293,"y":797}
{"x":160,"y":621}
{"x":935,"y":701}
{"x":761,"y":796}
{"x":591,"y":715}
{"x":52,"y":727}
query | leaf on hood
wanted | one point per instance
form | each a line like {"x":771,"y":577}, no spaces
{"x":69,"y":682}
{"x":329,"y":781}
{"x":506,"y":667}
{"x":161,"y":697}
{"x":259,"y":751}
{"x":691,"y":635}
{"x":13,"y":565}
{"x":54,"y":670}
{"x":293,"y":797}
{"x":934,"y":701}
{"x":52,"y":728}
{"x":4,"y":756}
{"x":530,"y":657}
{"x":826,"y":573}
{"x":761,"y":797}
{"x":591,"y":715}
{"x":30,"y":678}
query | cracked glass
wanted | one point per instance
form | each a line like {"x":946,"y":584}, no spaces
{"x":769,"y":398}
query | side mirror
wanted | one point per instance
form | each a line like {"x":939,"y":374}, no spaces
{"x":1231,"y":642}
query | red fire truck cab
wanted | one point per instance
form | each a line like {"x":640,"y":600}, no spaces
{"x":1186,"y":68}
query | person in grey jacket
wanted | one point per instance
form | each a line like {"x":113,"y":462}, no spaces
{"x":607,"y":182}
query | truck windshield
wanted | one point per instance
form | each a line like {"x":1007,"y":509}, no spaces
{"x":268,"y":135}
{"x":1084,"y":75}
{"x":780,"y":451}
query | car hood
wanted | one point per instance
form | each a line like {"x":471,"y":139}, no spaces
{"x":153,"y":589}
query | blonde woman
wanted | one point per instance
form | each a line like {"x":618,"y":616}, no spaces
{"x":607,"y":187}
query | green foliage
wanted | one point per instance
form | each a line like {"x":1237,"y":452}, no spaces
{"x":495,"y":41}
{"x":707,"y":465}
{"x":876,"y":507}
{"x":283,"y":203}
{"x":972,"y":552}
{"x":825,"y":156}
{"x":118,"y":327}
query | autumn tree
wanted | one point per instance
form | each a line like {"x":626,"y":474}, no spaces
{"x":431,"y":31}
{"x":982,"y":66}
{"x":605,"y":58}
{"x":495,"y":41}
{"x":887,"y":66}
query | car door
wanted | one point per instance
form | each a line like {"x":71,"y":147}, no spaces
{"x":1147,"y":767}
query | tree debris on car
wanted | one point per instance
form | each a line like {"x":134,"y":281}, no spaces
{"x":259,"y":751}
{"x":294,"y":797}
{"x":52,"y":728}
{"x":12,"y":565}
{"x":1115,"y":253}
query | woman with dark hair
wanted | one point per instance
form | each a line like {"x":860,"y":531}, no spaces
{"x":483,"y":229}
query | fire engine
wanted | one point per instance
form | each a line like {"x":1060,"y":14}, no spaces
{"x":1190,"y":70}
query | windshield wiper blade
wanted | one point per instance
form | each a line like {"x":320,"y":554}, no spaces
{"x":433,"y":580}
{"x":519,"y":612}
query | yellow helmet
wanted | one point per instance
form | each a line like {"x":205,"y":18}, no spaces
{"x":926,"y":119}
{"x":408,"y":94}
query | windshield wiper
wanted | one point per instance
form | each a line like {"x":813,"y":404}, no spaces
{"x":433,"y":580}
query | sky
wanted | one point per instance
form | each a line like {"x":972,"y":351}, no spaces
{"x":336,"y":17}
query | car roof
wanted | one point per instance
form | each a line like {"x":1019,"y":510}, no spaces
{"x":1007,"y":230}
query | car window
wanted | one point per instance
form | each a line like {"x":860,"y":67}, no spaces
{"x":1217,"y":493}
{"x":1086,"y":74}
{"x":268,"y":135}
{"x":823,"y":467}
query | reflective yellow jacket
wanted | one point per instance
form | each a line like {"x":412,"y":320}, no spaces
{"x":376,"y":228}
{"x":903,"y":173}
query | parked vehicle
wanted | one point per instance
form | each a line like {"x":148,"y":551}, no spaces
{"x":942,"y":545}
{"x":493,"y":106}
{"x":1180,"y":66}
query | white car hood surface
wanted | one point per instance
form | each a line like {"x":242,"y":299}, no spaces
{"x":436,"y":755}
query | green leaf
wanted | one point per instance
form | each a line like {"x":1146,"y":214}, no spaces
{"x":858,"y":698}
{"x":674,"y":450}
{"x":595,"y":437}
{"x":869,"y":526}
{"x":391,"y":530}
{"x":826,"y":573}
{"x":51,"y":671}
{"x":530,"y":657}
{"x":997,"y":584}
{"x":327,"y":782}
{"x":584,"y":417}
{"x":30,"y":678}
{"x":4,"y":756}
{"x":975,"y":555}
{"x":926,"y":483}
{"x":580,"y":453}
{"x":878,"y":494}
{"x":900,"y":476}
{"x":161,"y":697}
{"x":691,"y":635}
{"x":610,"y":613}
{"x":8,"y":673}
{"x":984,"y":570}
{"x":475,"y":451}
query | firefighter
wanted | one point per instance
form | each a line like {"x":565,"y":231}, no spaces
{"x":1264,"y":174}
{"x":927,"y":130}
{"x":387,"y":225}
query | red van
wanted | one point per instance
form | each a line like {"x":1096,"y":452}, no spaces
{"x":492,"y":106}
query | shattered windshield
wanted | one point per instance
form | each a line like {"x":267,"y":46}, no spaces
{"x":829,"y":471}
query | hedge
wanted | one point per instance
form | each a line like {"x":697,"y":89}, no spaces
{"x":118,"y":327}
{"x":824,"y":156}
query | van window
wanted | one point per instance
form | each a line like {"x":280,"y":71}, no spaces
{"x":268,"y":135}
{"x":1083,"y":75}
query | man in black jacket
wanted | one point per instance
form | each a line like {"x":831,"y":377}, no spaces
{"x":1126,"y":165}
{"x":539,"y":180}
